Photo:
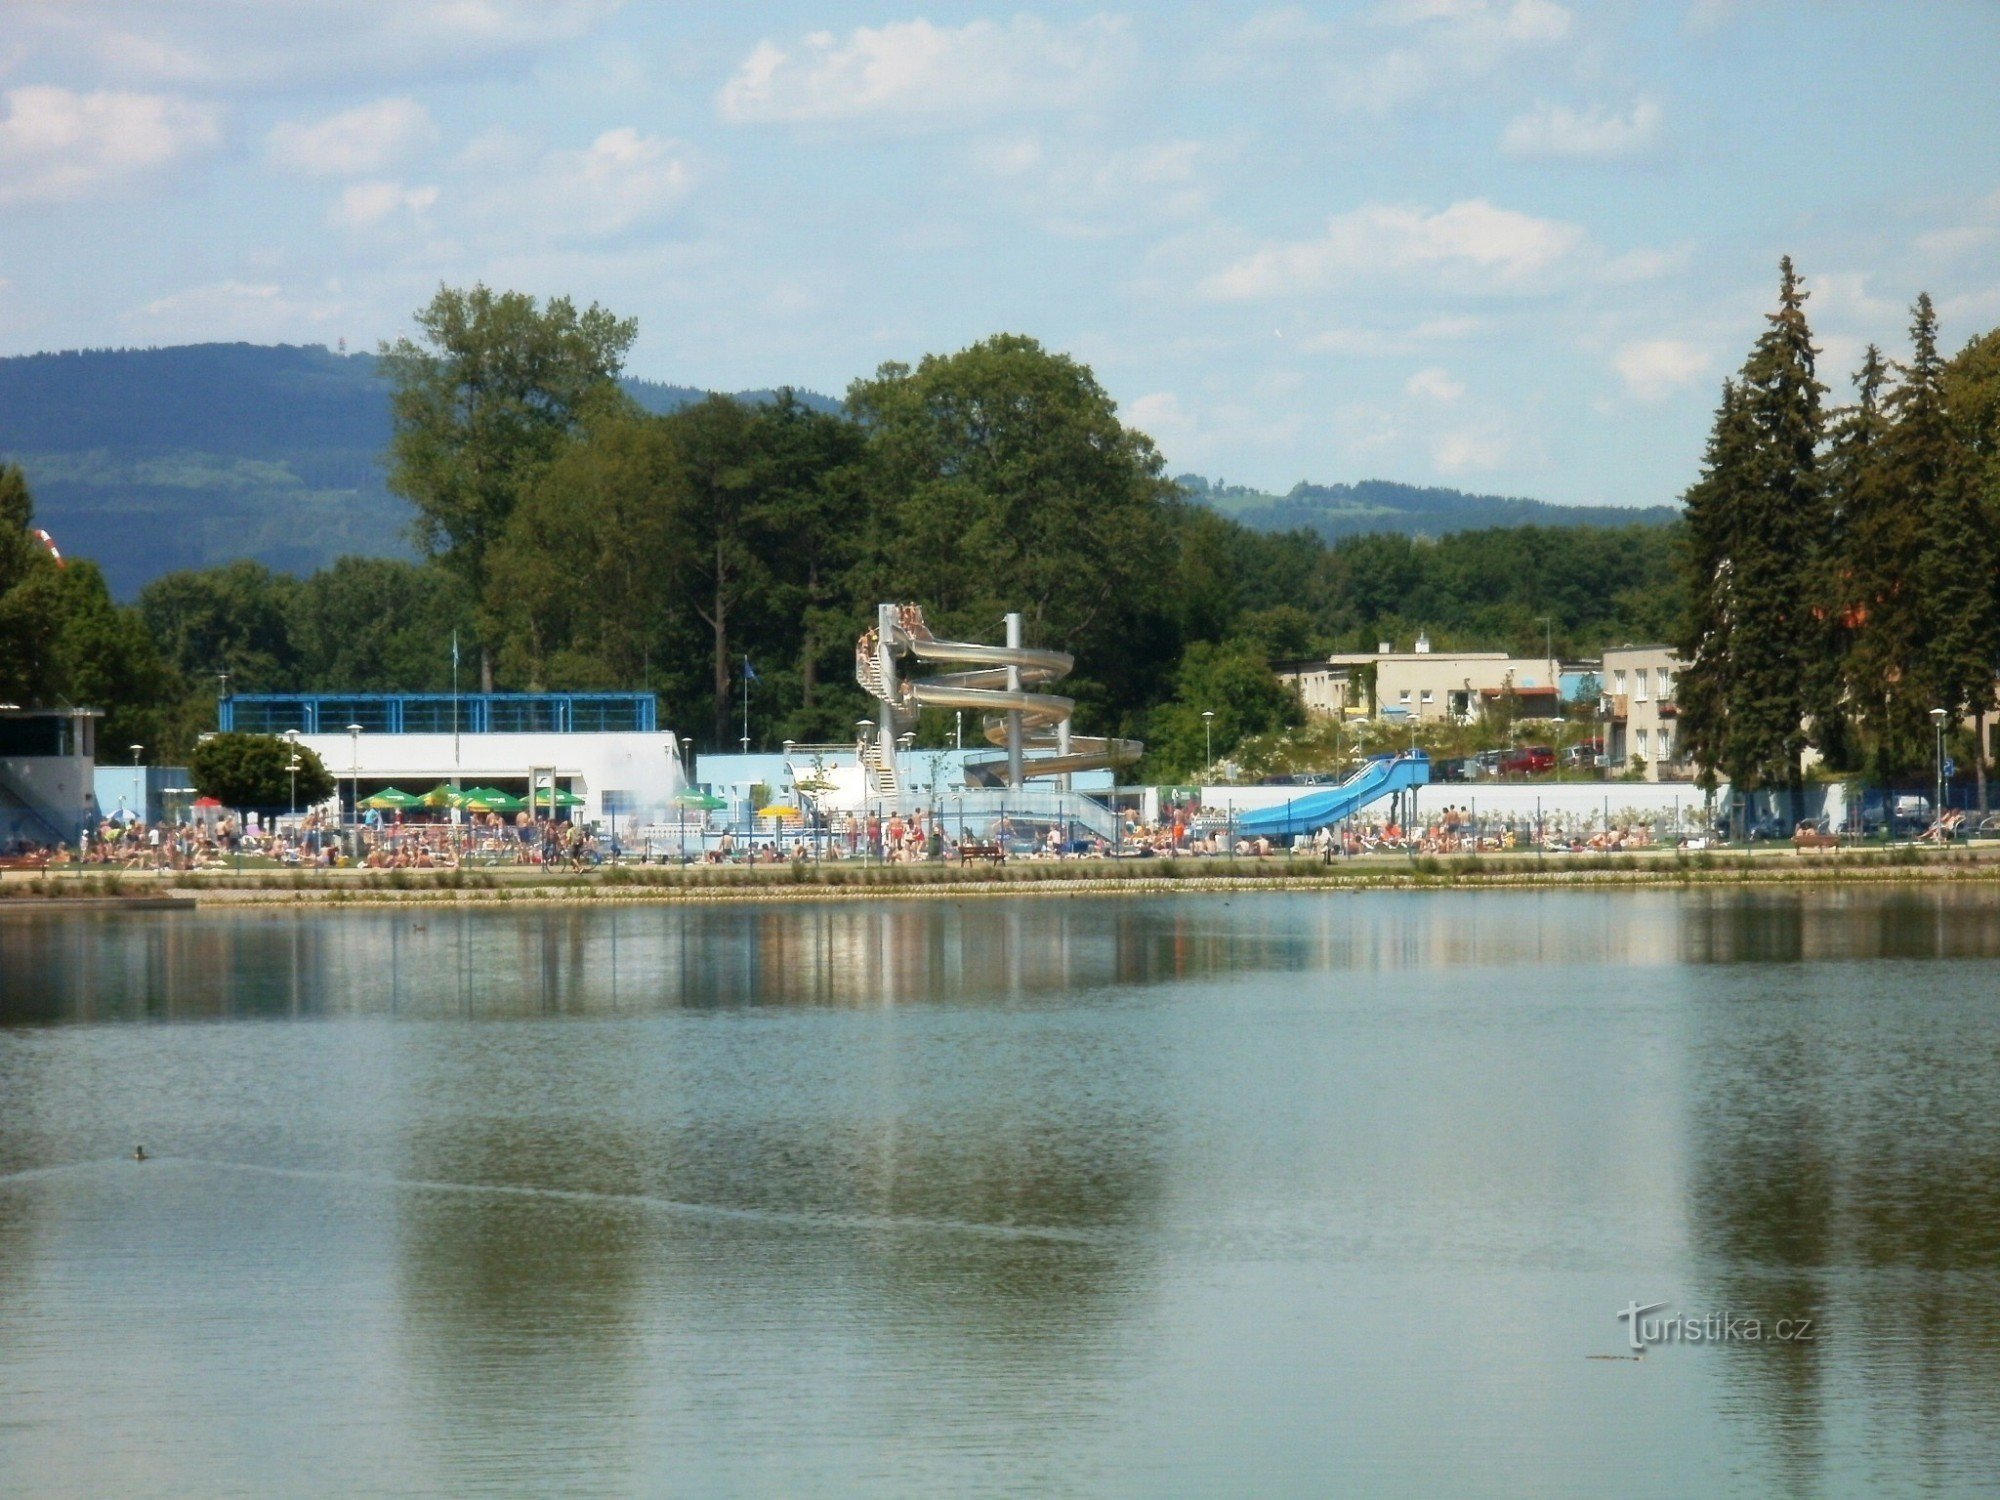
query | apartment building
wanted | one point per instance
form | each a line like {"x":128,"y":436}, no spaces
{"x":1638,"y":707}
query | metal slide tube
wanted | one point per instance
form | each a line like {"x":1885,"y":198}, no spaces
{"x":1014,"y":714}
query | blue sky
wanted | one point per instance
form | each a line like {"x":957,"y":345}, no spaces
{"x":1508,"y":245}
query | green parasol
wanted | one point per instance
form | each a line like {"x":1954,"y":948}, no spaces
{"x":489,"y":799}
{"x":390,"y":799}
{"x":704,"y":801}
{"x":543,"y":797}
{"x":439,"y":795}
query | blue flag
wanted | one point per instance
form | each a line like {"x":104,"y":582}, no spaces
{"x":749,"y":672}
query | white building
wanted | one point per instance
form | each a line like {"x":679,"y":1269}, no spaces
{"x":604,"y":747}
{"x":47,"y":775}
{"x":1641,"y":717}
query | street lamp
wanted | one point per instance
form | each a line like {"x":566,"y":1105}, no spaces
{"x":135,"y":749}
{"x":354,"y":766}
{"x":1208,"y":742}
{"x":1938,"y":716}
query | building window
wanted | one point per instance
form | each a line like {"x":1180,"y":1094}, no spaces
{"x":1642,"y":744}
{"x":1404,"y":696}
{"x":1639,"y":685}
{"x":1618,"y":683}
{"x":1666,"y":683}
{"x":1426,"y":695}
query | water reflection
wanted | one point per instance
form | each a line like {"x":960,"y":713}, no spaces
{"x":1846,"y":1156}
{"x":1017,"y":1196}
{"x":558,"y":961}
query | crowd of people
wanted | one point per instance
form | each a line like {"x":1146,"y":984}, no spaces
{"x":1182,"y":830}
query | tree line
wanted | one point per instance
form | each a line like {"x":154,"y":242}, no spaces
{"x":1839,"y":565}
{"x":573,"y":540}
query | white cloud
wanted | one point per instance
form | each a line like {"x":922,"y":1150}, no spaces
{"x":261,"y":312}
{"x":365,"y":205}
{"x":1557,"y":132}
{"x":238,"y":44}
{"x":1448,"y":43}
{"x":1434,"y":384}
{"x":1161,"y":417}
{"x":622,"y":179}
{"x":1471,"y":241}
{"x":1654,"y":369}
{"x":56,"y":144}
{"x":368,"y":138}
{"x":915,"y":71}
{"x":1085,"y":190}
{"x":1471,"y":450}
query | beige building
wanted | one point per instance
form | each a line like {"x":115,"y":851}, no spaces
{"x":1641,"y":719}
{"x":1422,"y":684}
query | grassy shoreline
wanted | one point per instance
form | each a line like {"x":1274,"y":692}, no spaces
{"x":701,"y":883}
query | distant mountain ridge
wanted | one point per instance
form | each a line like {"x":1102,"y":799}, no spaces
{"x":1333,"y":511}
{"x":150,"y":460}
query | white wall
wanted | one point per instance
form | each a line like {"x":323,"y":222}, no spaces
{"x":646,"y":767}
{"x":1572,"y":801}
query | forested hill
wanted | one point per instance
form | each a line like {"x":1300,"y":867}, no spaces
{"x":153,"y":460}
{"x":1380,"y":505}
{"x":150,"y":460}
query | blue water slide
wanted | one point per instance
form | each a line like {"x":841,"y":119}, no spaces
{"x":1315,"y":810}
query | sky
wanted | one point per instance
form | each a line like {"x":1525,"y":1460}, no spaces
{"x":1512,"y":246}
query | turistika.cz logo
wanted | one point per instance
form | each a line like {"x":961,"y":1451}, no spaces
{"x":1645,"y":1332}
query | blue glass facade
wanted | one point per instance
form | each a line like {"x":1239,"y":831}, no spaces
{"x":433,"y":713}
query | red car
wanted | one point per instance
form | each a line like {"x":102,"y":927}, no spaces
{"x":1528,"y":760}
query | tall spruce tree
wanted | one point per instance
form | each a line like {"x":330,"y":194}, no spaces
{"x":1916,"y":464}
{"x":1761,"y":509}
{"x":1777,"y":546}
{"x":1708,"y":543}
{"x":1972,"y":396}
{"x":1839,"y":686}
{"x":1957,"y":568}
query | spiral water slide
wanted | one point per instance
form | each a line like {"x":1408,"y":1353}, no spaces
{"x":1031,"y":728}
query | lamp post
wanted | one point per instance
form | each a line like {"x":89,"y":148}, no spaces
{"x":354,"y":766}
{"x":865,"y":731}
{"x":1208,"y":743}
{"x":1938,"y":716}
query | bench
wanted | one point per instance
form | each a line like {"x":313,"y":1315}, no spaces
{"x":967,"y":853}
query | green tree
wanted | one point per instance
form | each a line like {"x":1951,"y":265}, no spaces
{"x":377,"y":625}
{"x":492,"y":389}
{"x":1234,"y":682}
{"x":1972,"y":396}
{"x":238,"y":619}
{"x":810,"y":478}
{"x":103,"y":657}
{"x":253,"y":771}
{"x":27,"y":631}
{"x":582,"y":577}
{"x":721,"y":549}
{"x":1003,"y":480}
{"x":1754,"y":519}
{"x":1958,"y":554}
{"x":1837,"y":696}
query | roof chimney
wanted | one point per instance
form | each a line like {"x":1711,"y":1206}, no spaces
{"x":1383,"y":648}
{"x":1423,"y":645}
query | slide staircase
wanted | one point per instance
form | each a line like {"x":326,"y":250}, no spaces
{"x":1317,"y":810}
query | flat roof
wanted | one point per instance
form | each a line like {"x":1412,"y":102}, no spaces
{"x":440,"y":713}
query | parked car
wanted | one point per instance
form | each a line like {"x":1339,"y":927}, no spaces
{"x":1485,"y":763}
{"x":1585,"y":755}
{"x":1527,"y":760}
{"x":1457,"y":768}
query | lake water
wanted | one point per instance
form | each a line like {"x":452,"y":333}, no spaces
{"x":1288,"y":1194}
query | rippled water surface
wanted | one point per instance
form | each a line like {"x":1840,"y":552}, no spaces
{"x":1266,"y":1195}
